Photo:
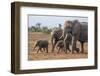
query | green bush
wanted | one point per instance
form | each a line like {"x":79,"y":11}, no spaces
{"x":40,"y":29}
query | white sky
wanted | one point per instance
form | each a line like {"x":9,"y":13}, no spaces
{"x":52,"y":21}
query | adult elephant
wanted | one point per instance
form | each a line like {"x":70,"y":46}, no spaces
{"x":79,"y":31}
{"x":55,"y":37}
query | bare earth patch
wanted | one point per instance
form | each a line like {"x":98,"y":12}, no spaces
{"x":33,"y":55}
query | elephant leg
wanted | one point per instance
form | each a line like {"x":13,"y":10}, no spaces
{"x":53,"y":43}
{"x":34,"y":47}
{"x":43,"y":49}
{"x":74,"y":40}
{"x":47,"y":50}
{"x":69,"y":49}
{"x":65,"y":48}
{"x":65,"y":51}
{"x":58,"y":50}
{"x":82,"y":47}
{"x":77,"y":50}
{"x":38,"y":50}
{"x":53,"y":46}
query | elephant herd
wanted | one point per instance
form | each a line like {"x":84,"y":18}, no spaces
{"x":62,"y":39}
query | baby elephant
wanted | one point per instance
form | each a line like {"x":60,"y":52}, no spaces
{"x":63,"y":45}
{"x":42,"y":45}
{"x":60,"y":45}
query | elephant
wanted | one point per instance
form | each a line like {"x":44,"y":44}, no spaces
{"x":79,"y":31}
{"x":41,"y":44}
{"x":65,"y":43}
{"x":60,"y":45}
{"x":55,"y":37}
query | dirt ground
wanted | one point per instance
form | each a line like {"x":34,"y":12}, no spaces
{"x":33,"y":55}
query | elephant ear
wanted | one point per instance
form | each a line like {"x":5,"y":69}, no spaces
{"x":76,"y":27}
{"x":74,"y":22}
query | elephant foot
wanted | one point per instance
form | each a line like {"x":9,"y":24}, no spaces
{"x":77,"y":50}
{"x":69,"y":50}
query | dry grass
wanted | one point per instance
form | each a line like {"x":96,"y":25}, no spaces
{"x":33,"y":55}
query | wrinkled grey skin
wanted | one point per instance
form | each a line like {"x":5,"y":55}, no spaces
{"x":79,"y":32}
{"x":41,"y":44}
{"x":55,"y":36}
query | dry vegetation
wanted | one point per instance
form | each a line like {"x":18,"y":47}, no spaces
{"x":33,"y":55}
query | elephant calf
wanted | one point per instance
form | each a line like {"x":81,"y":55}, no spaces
{"x":65,"y":43}
{"x":42,"y":45}
{"x":60,"y":45}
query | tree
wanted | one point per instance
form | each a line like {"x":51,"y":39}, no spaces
{"x":38,"y":27}
{"x":60,"y":25}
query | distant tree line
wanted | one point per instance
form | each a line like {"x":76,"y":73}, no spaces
{"x":38,"y":28}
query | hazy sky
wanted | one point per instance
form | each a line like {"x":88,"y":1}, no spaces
{"x":52,"y":21}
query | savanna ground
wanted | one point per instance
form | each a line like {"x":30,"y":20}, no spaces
{"x":33,"y":55}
